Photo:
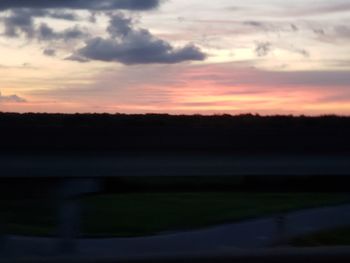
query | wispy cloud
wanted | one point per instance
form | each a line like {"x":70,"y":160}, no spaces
{"x":230,"y":87}
{"x":11,"y":99}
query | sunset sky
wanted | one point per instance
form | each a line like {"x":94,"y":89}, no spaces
{"x":175,"y":56}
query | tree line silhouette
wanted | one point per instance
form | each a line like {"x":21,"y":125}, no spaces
{"x":246,"y":133}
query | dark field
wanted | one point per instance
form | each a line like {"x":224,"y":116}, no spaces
{"x":333,"y":237}
{"x":151,"y":213}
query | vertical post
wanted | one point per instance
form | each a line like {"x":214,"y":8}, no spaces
{"x":69,"y":208}
{"x":281,"y":229}
{"x":3,"y":240}
{"x":69,"y":224}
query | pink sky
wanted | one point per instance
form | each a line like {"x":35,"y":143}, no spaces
{"x":266,"y":57}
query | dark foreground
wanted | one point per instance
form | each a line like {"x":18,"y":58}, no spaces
{"x":165,"y":133}
{"x":71,"y":156}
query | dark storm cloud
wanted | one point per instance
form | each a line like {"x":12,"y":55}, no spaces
{"x":11,"y":99}
{"x":21,"y":18}
{"x":19,"y":21}
{"x":46,"y":33}
{"x":80,"y":4}
{"x":126,"y":43}
{"x":147,"y":51}
{"x":129,"y":45}
{"x":120,"y":26}
{"x":22,"y":22}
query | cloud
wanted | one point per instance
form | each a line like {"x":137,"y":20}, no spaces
{"x":19,"y":21}
{"x":46,"y":33}
{"x":319,"y":31}
{"x":23,"y":19}
{"x":22,"y":13}
{"x":335,"y":34}
{"x":65,"y":15}
{"x":319,"y":9}
{"x":130,"y":45}
{"x":342,"y":31}
{"x":229,"y":85}
{"x":301,"y":51}
{"x":144,"y":50}
{"x":254,"y":23}
{"x":77,"y":58}
{"x":11,"y":99}
{"x":120,"y":26}
{"x":125,"y":44}
{"x":294,"y":27}
{"x":300,"y":8}
{"x":262,"y":49}
{"x":49,"y":52}
{"x":277,"y":27}
{"x":232,"y":75}
{"x":80,"y":4}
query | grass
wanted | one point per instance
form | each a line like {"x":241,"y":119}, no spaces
{"x":152,"y":213}
{"x":334,"y":237}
